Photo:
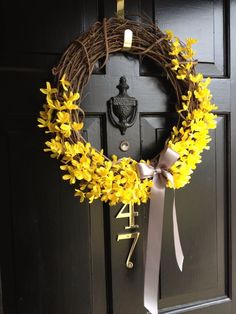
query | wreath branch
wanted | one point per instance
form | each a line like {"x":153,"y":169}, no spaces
{"x":107,"y":37}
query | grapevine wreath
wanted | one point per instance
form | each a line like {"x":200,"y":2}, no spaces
{"x":94,"y":175}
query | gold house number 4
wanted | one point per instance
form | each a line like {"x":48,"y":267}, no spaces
{"x":130,"y":214}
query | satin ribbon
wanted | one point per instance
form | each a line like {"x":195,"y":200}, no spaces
{"x":160,"y":175}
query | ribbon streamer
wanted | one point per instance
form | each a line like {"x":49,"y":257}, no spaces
{"x":160,"y":175}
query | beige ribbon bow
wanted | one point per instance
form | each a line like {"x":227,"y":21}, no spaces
{"x":160,"y":175}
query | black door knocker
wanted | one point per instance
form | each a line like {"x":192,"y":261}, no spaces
{"x":123,"y":106}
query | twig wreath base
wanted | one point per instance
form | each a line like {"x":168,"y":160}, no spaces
{"x":114,"y":180}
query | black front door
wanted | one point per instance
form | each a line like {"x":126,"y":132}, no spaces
{"x":62,"y":257}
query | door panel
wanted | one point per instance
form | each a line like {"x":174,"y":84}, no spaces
{"x":203,"y":217}
{"x":60,"y":256}
{"x":53,"y":266}
{"x":203,"y":18}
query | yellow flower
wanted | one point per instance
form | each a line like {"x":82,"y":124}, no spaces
{"x":176,"y":42}
{"x":63,"y":117}
{"x":42,"y":123}
{"x":71,"y":175}
{"x":190,"y":41}
{"x":48,"y":90}
{"x":77,"y":126}
{"x":114,"y":158}
{"x":169,"y":34}
{"x":187,"y":97}
{"x":79,"y":146}
{"x":181,"y":74}
{"x":196,"y":78}
{"x":65,"y":84}
{"x":71,"y":97}
{"x":87,"y":175}
{"x":205,"y":83}
{"x":188,"y":54}
{"x":208,"y":106}
{"x":70,"y":106}
{"x":102,"y":171}
{"x":210,"y":120}
{"x":197,"y":115}
{"x":80,"y":194}
{"x":188,"y":66}
{"x":64,"y":129}
{"x":85,"y":161}
{"x":94,"y":193}
{"x":55,"y":147}
{"x":176,"y":47}
{"x":201,"y":94}
{"x":175,"y":130}
{"x":97,"y":158}
{"x":175,"y":63}
{"x":71,"y":150}
{"x":55,"y":104}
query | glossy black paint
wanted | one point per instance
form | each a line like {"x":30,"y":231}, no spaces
{"x":61,"y":257}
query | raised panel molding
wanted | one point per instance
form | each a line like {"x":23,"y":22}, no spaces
{"x":55,"y":239}
{"x":203,"y":220}
{"x":206,"y":21}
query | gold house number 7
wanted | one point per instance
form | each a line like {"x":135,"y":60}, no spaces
{"x":130,"y":214}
